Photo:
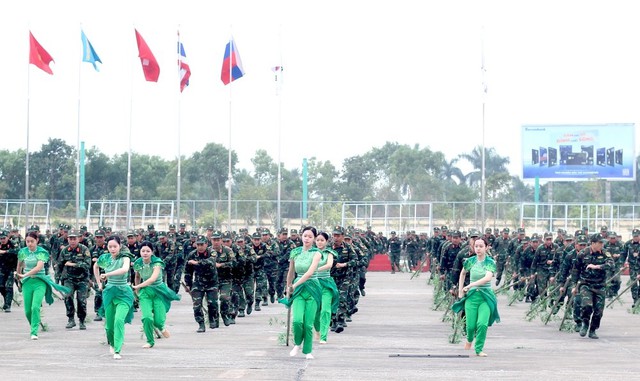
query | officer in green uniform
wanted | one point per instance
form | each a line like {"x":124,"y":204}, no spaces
{"x":99,"y":248}
{"x":543,"y":267}
{"x":395,"y":249}
{"x":285,"y":246}
{"x":500,"y":247}
{"x":270,"y":266}
{"x":151,"y":234}
{"x":590,"y":274}
{"x":74,"y":266}
{"x":243,"y":279}
{"x":343,"y":265}
{"x":295,"y":238}
{"x":166,"y":250}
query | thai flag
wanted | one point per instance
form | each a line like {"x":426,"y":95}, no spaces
{"x":183,"y":67}
{"x":231,"y":65}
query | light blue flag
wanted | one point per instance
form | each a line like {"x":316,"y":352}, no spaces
{"x":88,"y":53}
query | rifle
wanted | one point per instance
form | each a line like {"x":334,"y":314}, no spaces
{"x":419,"y":269}
{"x":186,"y":288}
{"x":567,"y":310}
{"x":557,"y":301}
{"x":631,"y":284}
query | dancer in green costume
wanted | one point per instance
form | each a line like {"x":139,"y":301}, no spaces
{"x":304,"y":294}
{"x":154,"y":295}
{"x":117,"y":296}
{"x":477,"y":298}
{"x":36,"y":285}
{"x":330,"y":294}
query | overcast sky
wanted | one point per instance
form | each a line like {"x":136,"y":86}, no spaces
{"x":356,"y":74}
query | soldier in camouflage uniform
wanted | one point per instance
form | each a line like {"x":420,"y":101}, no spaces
{"x":151,"y":234}
{"x":285,"y":245}
{"x":243,"y":280}
{"x":590,"y":274}
{"x":395,"y":249}
{"x":616,"y":250}
{"x":8,"y":263}
{"x":488,"y":235}
{"x":270,"y":267}
{"x":74,"y":267}
{"x":632,"y":250}
{"x":262,"y":252}
{"x":448,"y":256}
{"x":225,"y":262}
{"x":99,"y":248}
{"x":543,"y":268}
{"x":524,"y":258}
{"x":201,"y":280}
{"x":166,"y":250}
{"x":295,"y":238}
{"x":564,"y":279}
{"x":86,"y":237}
{"x":343,"y":265}
{"x":500,"y":247}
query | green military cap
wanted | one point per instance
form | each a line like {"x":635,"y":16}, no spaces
{"x":172,"y":226}
{"x":473,"y":233}
{"x":266,"y":231}
{"x":131,"y":233}
{"x":597,"y":238}
{"x":548,"y":235}
{"x":294,"y":231}
{"x":347,"y":236}
{"x":338,"y":230}
{"x":74,"y":233}
{"x":488,"y":230}
{"x":635,"y":232}
{"x":98,"y":233}
{"x":535,"y":237}
{"x":216,"y":234}
{"x":455,"y":233}
{"x":392,"y":232}
{"x":194,"y":233}
{"x":201,"y":239}
{"x":568,"y":237}
{"x":183,"y":225}
{"x":162,"y":233}
{"x":150,"y":227}
{"x":561,"y":231}
{"x":283,"y":230}
{"x":60,"y":225}
{"x":521,"y":231}
{"x":612,"y":234}
{"x":226,"y":236}
{"x":506,"y":230}
{"x":255,"y":235}
{"x":83,"y":228}
{"x":582,"y":239}
{"x":436,"y":229}
{"x":3,"y":233}
{"x":444,"y":227}
{"x":603,"y":228}
{"x":239,"y":238}
{"x":171,"y":235}
{"x":35,"y":228}
{"x":526,"y":239}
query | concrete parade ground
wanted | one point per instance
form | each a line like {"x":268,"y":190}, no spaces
{"x":395,"y":336}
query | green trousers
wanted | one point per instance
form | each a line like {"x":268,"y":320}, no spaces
{"x":153,"y":314}
{"x":477,"y":312}
{"x":33,"y":291}
{"x":303,"y":317}
{"x":115,"y":314}
{"x":324,"y":321}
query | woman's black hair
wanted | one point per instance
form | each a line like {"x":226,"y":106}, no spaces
{"x":147,"y":244}
{"x":483,"y":239}
{"x":114,"y":238}
{"x":324,"y":234}
{"x":33,"y":235}
{"x":312,"y":229}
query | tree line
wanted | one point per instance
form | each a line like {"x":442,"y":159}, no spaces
{"x":392,"y":172}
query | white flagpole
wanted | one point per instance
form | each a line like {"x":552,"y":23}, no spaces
{"x":279,"y":97}
{"x":26,"y":174}
{"x":78,"y":141}
{"x":484,"y":93}
{"x":179,"y":127}
{"x":129,"y":151}
{"x":230,"y":178}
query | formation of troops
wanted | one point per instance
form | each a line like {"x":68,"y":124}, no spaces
{"x":228,"y":274}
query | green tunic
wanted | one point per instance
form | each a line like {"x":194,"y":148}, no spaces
{"x":157,"y":289}
{"x":303,"y":260}
{"x":30,"y":259}
{"x":478,"y":270}
{"x":117,"y":286}
{"x":325,"y":279}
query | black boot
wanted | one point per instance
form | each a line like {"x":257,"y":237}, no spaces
{"x":240,"y":313}
{"x":249,"y":309}
{"x":82,"y":326}
{"x":201,"y":328}
{"x":71,"y":323}
{"x":258,"y":306}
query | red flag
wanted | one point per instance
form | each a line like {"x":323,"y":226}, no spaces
{"x":149,"y":63}
{"x":38,"y":56}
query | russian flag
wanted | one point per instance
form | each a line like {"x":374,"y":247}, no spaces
{"x":231,"y":65}
{"x":185,"y":71}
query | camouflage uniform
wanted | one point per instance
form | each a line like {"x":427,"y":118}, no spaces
{"x":75,"y":277}
{"x":632,"y":250}
{"x":225,"y":262}
{"x":271,"y":266}
{"x":96,"y":251}
{"x":616,"y":249}
{"x":395,"y":248}
{"x":342,"y":275}
{"x":285,"y":245}
{"x":201,"y":278}
{"x":243,"y":280}
{"x":543,"y":267}
{"x":500,"y":247}
{"x":8,"y":262}
{"x":592,"y":283}
{"x":166,"y":250}
{"x":262,"y":253}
